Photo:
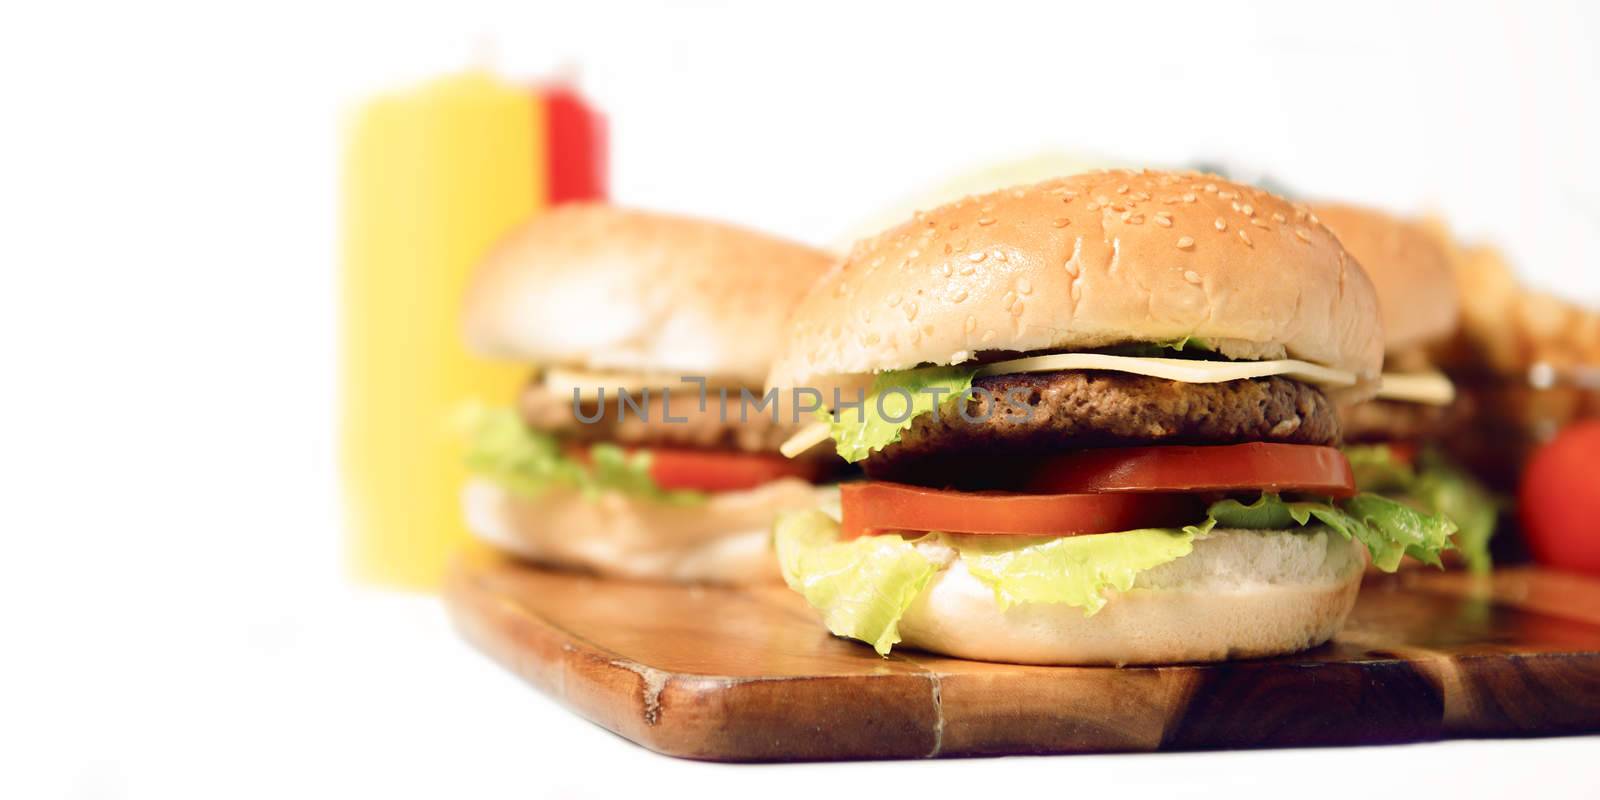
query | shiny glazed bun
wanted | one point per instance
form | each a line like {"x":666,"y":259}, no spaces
{"x":607,"y":289}
{"x":1089,"y":261}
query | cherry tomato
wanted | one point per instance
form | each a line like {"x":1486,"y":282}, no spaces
{"x":1559,"y":500}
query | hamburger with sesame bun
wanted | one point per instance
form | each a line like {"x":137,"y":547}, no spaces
{"x":1394,"y":440}
{"x":1097,"y":419}
{"x":628,"y":452}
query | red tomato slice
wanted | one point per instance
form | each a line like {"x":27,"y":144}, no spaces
{"x":1403,"y":452}
{"x":1216,"y":468}
{"x":713,"y":471}
{"x":875,"y":506}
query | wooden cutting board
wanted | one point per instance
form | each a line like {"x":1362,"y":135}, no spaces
{"x":750,"y":675}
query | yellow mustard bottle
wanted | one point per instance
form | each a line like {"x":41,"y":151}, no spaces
{"x":434,"y":176}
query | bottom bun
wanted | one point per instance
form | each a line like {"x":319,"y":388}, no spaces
{"x":1239,"y":594}
{"x":726,"y":539}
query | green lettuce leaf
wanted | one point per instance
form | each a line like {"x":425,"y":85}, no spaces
{"x":1188,"y":347}
{"x":1377,"y":470}
{"x":1389,"y":530}
{"x":1445,"y":489}
{"x":862,"y":587}
{"x":1075,"y":570}
{"x":859,"y":432}
{"x":505,"y":450}
{"x":1434,"y":486}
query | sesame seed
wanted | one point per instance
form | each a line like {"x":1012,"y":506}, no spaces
{"x":958,"y":295}
{"x":1249,"y":210}
{"x":913,"y":253}
{"x":1185,"y":242}
{"x":944,"y":269}
{"x":985,"y":220}
{"x":948,"y":248}
{"x":1259,"y":222}
{"x":1024,"y":286}
{"x":1016,"y":308}
{"x":1140,"y":196}
{"x":972,"y":324}
{"x":966,"y":269}
{"x":1246,"y":238}
{"x":1170,"y":200}
{"x":1191,"y":276}
{"x":1123,"y":189}
{"x":1278,"y":217}
{"x":1062,"y":222}
{"x":1133,"y":219}
{"x":1163,"y":219}
{"x":1226,"y":195}
{"x":1077,"y":290}
{"x":976,"y":256}
{"x":1000,"y":255}
{"x":1211,"y":187}
{"x":988,"y":335}
{"x":1188,"y":197}
{"x":1305,"y":235}
{"x":1008,"y":299}
{"x":911,"y":311}
{"x":894,"y":299}
{"x":1071,"y":267}
{"x":1221,"y":224}
{"x":1092,"y":206}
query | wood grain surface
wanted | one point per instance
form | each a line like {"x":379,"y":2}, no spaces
{"x":750,"y":675}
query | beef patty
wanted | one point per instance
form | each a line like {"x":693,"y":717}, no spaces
{"x":553,"y":412}
{"x":1076,"y":410}
{"x":1394,"y":420}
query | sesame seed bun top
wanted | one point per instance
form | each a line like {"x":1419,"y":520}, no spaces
{"x":602,"y":288}
{"x":1088,"y":261}
{"x":1416,"y":286}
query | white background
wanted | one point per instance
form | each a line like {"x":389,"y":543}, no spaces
{"x":174,"y":618}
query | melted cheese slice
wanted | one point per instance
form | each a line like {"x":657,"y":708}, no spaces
{"x":806,"y":438}
{"x":1429,"y":388}
{"x":1176,"y":369}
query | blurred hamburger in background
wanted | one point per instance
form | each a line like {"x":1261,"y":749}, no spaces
{"x":629,"y":452}
{"x":1395,"y":441}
